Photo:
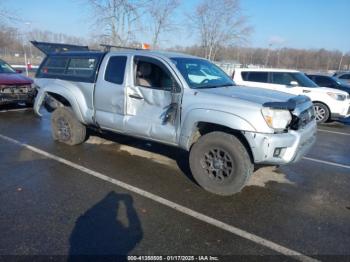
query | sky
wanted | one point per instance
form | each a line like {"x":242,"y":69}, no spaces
{"x":282,"y":23}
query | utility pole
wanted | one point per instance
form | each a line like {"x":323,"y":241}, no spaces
{"x":268,"y":55}
{"x":341,"y":61}
{"x":29,"y":24}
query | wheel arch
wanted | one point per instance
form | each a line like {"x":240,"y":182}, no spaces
{"x":204,"y":128}
{"x":64,"y":96}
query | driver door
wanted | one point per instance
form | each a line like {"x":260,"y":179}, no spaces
{"x":152,"y":101}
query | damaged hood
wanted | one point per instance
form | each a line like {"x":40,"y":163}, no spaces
{"x":251,"y":94}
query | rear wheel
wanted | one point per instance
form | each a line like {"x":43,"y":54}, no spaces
{"x":220,"y":163}
{"x":321,"y":112}
{"x":66,"y":128}
{"x":50,"y":104}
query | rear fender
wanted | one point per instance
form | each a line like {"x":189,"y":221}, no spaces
{"x":72,"y":95}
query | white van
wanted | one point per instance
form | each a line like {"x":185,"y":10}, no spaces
{"x":329,"y":103}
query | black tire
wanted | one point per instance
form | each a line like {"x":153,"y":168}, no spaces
{"x":50,"y":104}
{"x":224,"y":178}
{"x":322,"y":113}
{"x":66,"y":128}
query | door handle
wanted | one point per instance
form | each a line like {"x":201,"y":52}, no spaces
{"x":135,"y":96}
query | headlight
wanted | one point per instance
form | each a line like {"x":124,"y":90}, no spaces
{"x":336,"y":96}
{"x":276,"y":118}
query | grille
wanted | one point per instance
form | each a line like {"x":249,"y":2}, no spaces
{"x":14,"y":89}
{"x":302,"y":119}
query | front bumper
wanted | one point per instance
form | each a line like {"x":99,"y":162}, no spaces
{"x":285,"y":148}
{"x":341,"y":110}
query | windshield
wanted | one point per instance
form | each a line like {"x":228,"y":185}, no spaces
{"x":200,"y":73}
{"x":6,"y":68}
{"x":303,"y":80}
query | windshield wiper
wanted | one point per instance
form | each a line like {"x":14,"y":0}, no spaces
{"x":214,"y":86}
{"x":225,"y":85}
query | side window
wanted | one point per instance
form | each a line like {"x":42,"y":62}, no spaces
{"x":115,"y":70}
{"x":313,"y":78}
{"x":261,"y":77}
{"x":82,"y":67}
{"x":281,"y":78}
{"x":346,"y":76}
{"x":55,"y":65}
{"x":245,"y":76}
{"x":152,"y":74}
{"x":324,"y":81}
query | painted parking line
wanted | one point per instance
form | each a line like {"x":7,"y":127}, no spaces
{"x":182,"y":209}
{"x":326,"y":162}
{"x":15,"y":110}
{"x":333,"y":132}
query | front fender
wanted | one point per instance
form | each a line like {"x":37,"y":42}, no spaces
{"x":56,"y":88}
{"x":222,"y":118}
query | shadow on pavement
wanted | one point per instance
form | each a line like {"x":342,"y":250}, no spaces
{"x":179,"y":155}
{"x":102,"y":231}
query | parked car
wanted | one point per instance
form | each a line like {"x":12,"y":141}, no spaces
{"x":343,"y":76}
{"x":153,"y":95}
{"x":328,"y":103}
{"x":15,"y":87}
{"x":329,"y":81}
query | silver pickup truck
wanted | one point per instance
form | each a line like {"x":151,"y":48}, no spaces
{"x":179,"y":100}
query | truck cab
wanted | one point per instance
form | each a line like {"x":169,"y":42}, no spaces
{"x":158,"y":96}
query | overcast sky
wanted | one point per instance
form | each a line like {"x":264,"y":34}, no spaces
{"x":291,"y":23}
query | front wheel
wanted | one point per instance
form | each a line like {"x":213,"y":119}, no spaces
{"x":322,"y":113}
{"x":220,"y":163}
{"x":66,"y":128}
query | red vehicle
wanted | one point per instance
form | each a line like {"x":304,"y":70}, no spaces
{"x":14,"y":87}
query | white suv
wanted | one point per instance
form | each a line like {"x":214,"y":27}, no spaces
{"x":329,"y":103}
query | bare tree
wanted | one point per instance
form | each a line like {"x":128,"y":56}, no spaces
{"x":160,"y":12}
{"x":115,"y":20}
{"x":219,"y":23}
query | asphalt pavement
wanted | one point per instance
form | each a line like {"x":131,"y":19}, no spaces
{"x":120,"y":195}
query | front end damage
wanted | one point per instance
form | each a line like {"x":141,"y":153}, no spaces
{"x":17,"y":94}
{"x":39,"y":99}
{"x":294,"y":142}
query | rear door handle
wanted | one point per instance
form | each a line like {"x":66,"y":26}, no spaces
{"x":135,"y":96}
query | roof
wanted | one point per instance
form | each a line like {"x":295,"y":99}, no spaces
{"x":266,"y":70}
{"x":125,"y":52}
{"x":78,"y":53}
{"x":78,"y":50}
{"x":166,"y":54}
{"x":318,"y":74}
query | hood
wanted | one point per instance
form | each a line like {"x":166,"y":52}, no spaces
{"x":251,"y":94}
{"x":328,"y":89}
{"x":14,"y":79}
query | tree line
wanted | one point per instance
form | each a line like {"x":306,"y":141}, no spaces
{"x":220,"y":28}
{"x":302,"y":59}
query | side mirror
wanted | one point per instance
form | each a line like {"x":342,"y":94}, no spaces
{"x":19,"y":71}
{"x":293,"y":84}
